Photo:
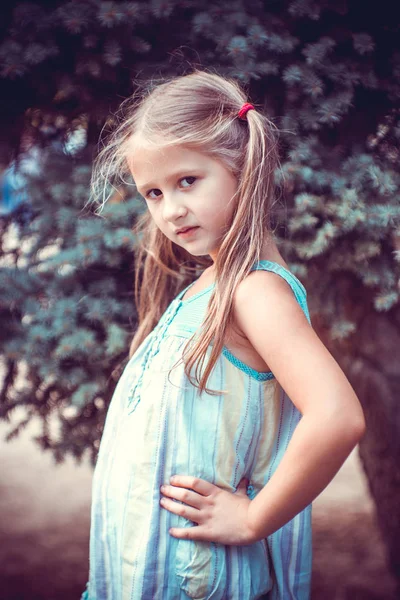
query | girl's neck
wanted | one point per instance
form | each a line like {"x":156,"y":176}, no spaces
{"x":269,"y":252}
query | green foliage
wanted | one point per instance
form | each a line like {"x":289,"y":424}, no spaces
{"x":327,"y":73}
{"x":350,"y":222}
{"x":66,"y":297}
{"x":311,"y":62}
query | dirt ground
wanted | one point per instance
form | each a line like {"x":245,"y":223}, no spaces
{"x":45,"y":518}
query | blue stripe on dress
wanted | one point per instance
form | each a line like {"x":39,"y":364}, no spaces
{"x":150,"y":570}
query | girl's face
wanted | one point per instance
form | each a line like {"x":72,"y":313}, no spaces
{"x":185,"y":188}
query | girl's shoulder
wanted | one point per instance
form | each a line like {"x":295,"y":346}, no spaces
{"x":267,"y":304}
{"x":275,"y":277}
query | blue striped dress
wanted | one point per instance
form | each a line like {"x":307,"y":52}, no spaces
{"x":157,"y":426}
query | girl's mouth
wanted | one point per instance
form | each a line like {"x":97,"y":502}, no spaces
{"x":188,"y":232}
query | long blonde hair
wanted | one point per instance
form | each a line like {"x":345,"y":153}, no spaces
{"x":198,"y":110}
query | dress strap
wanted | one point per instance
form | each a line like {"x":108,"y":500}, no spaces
{"x":298,"y":288}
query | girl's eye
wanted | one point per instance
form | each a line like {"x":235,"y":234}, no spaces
{"x":191,"y":182}
{"x":187,"y":178}
{"x":151,"y":197}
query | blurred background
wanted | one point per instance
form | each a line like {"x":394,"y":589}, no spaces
{"x":328,"y":74}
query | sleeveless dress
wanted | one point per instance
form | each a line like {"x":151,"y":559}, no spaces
{"x":156,"y":426}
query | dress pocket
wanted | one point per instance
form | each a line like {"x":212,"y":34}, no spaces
{"x":201,"y":568}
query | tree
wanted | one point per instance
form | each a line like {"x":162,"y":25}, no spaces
{"x":327,"y":73}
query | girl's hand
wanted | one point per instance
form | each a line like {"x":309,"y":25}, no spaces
{"x":221,"y":516}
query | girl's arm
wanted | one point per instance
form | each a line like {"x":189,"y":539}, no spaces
{"x":332,"y":418}
{"x":331,"y":425}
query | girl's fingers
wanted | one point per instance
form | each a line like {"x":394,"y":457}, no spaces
{"x":186,"y":496}
{"x":192,"y":514}
{"x":190,"y":533}
{"x":201,"y":486}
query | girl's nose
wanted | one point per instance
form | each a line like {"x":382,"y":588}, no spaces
{"x":173,"y":209}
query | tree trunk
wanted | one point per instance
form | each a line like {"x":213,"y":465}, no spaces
{"x":373,"y":369}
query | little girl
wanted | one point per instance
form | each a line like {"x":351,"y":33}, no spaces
{"x":231,"y":416}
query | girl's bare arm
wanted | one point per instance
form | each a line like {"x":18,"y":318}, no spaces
{"x":332,"y":418}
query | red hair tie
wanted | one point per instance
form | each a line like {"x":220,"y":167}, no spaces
{"x":242,"y":112}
